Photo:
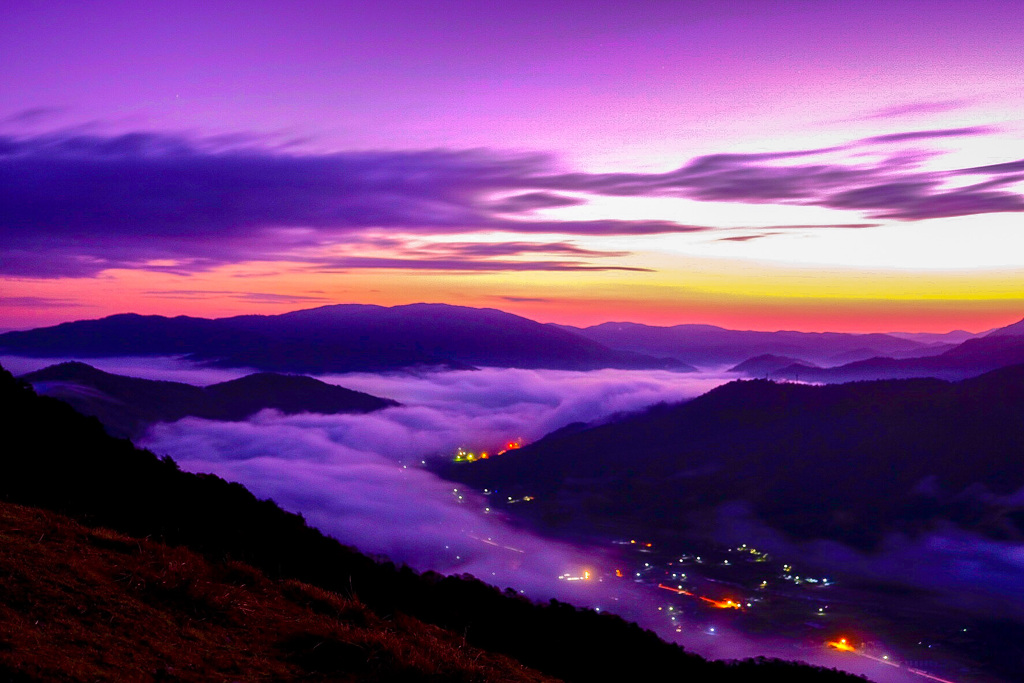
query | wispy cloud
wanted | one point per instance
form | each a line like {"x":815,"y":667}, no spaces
{"x":447,"y":264}
{"x":931,"y":134}
{"x":915,"y":109}
{"x":893,"y":188}
{"x":261,"y":297}
{"x":76,"y":204}
{"x":531,"y":201}
{"x":31,"y":116}
{"x":37,"y":302}
{"x":524,"y":299}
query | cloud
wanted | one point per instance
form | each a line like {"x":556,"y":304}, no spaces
{"x":930,"y":134}
{"x":1008,"y":167}
{"x":262,"y":297}
{"x":352,"y":262}
{"x":745,"y":238}
{"x":915,"y":109}
{"x":524,"y":299}
{"x":476,"y":257}
{"x":31,"y":116}
{"x":37,"y":302}
{"x":515,"y":248}
{"x":889,"y":189}
{"x":360,"y":477}
{"x":533,"y":200}
{"x":74,"y":204}
{"x":916,"y":199}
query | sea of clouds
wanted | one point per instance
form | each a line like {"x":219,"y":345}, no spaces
{"x":363,"y":479}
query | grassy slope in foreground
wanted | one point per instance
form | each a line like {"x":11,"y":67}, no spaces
{"x":58,"y":459}
{"x":138,"y":608}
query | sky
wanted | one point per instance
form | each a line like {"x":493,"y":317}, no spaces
{"x":848,"y":166}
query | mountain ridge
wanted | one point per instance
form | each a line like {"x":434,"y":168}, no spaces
{"x":999,"y":348}
{"x":711,"y":345}
{"x":864,"y":445}
{"x":337,"y":338}
{"x":128,"y":405}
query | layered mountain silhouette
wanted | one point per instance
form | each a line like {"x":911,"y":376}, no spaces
{"x":342,"y":338}
{"x":128,"y":405}
{"x":708,"y":345}
{"x":764,"y":365}
{"x":998,"y":348}
{"x":848,"y":462}
{"x":56,"y":459}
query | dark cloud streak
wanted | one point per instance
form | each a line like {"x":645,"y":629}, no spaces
{"x":916,"y":108}
{"x":455,"y":265}
{"x":76,"y":204}
{"x":930,"y":134}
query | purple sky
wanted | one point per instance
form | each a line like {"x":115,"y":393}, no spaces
{"x":801,"y":164}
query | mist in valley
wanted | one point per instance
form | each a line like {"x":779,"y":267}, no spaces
{"x":364,"y":480}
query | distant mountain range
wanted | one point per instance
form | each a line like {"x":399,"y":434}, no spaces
{"x":764,"y":365}
{"x":847,"y":462}
{"x":128,"y":405}
{"x":996,"y":349}
{"x":826,"y":357}
{"x":353,"y":337}
{"x":708,"y":345}
{"x":342,"y":338}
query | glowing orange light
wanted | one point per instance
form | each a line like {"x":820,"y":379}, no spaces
{"x":722,"y":604}
{"x":618,"y":573}
{"x":841,"y":644}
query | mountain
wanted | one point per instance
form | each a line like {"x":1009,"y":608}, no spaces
{"x":1014,"y":330}
{"x":848,"y":462}
{"x":128,"y":405}
{"x":954,"y":337}
{"x":708,"y":345}
{"x":56,"y":459}
{"x":763,"y":365}
{"x":341,"y":338}
{"x":999,"y":348}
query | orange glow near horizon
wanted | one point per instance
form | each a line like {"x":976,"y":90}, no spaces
{"x":759,"y":298}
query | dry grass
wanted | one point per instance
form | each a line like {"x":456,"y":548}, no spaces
{"x":80,"y":604}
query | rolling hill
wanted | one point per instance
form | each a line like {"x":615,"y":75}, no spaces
{"x":128,"y":405}
{"x":341,"y":338}
{"x":999,"y":348}
{"x":848,"y":462}
{"x":709,"y":345}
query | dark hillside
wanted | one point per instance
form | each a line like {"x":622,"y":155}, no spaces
{"x":57,"y":459}
{"x":83,"y":604}
{"x":845,"y":462}
{"x":127,"y":405}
